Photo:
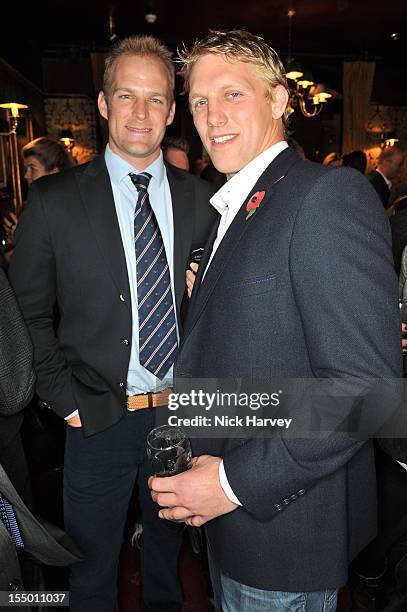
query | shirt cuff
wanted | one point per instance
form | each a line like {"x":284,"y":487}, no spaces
{"x":224,"y":483}
{"x":71,"y":415}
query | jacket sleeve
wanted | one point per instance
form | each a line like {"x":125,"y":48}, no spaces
{"x":33,"y":277}
{"x":16,"y":354}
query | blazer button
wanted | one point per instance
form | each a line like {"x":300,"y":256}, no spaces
{"x":278,"y":507}
{"x":125,"y":341}
{"x":121,"y":297}
{"x":301,"y":492}
{"x":286,"y":502}
{"x":121,"y":384}
{"x":293,"y":497}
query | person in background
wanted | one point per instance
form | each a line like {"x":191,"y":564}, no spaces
{"x":332,"y":159}
{"x":44,"y":156}
{"x":388,"y":169}
{"x":176,"y":152}
{"x":355,"y":159}
{"x":20,"y":531}
{"x":41,"y":157}
{"x":16,"y":387}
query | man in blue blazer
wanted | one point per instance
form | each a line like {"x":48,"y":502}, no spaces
{"x":296,"y":282}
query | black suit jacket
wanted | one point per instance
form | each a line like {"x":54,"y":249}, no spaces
{"x":45,"y":542}
{"x":69,"y":251}
{"x":398,"y":223}
{"x":381,"y":187}
{"x":305,"y":288}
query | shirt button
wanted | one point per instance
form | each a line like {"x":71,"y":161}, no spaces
{"x":125,"y":341}
{"x":121,"y":384}
{"x":121,"y":296}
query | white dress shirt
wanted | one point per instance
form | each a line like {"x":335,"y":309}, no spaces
{"x":228,"y":201}
{"x":386,"y":180}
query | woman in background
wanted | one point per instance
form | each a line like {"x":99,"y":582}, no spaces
{"x":41,"y":156}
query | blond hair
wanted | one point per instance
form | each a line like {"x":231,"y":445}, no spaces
{"x":142,"y":46}
{"x":237,"y":45}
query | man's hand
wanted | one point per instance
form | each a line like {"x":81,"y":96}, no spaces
{"x":75,"y":421}
{"x":195,"y":496}
{"x":404,"y":340}
{"x":9,"y":225}
{"x":190,"y":277}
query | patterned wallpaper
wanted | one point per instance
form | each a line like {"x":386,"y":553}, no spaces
{"x":386,"y":119}
{"x":76,"y":113}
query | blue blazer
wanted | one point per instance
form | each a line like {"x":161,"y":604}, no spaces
{"x":305,"y":288}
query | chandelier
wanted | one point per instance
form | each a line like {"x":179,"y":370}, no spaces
{"x":305,"y":94}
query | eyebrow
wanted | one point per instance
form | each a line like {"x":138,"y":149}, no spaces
{"x":130,"y":90}
{"x":223,"y":88}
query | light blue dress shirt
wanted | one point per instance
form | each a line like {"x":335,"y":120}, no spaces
{"x":140,"y":380}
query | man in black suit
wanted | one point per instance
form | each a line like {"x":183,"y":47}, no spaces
{"x":289,"y":278}
{"x":42,"y":541}
{"x":79,"y":245}
{"x":388,"y":168}
{"x":16,"y":388}
{"x":45,"y":543}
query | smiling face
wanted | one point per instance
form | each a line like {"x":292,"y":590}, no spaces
{"x":235,"y":116}
{"x":138,"y":107}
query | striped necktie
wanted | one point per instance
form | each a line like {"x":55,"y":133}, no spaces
{"x":156,"y":314}
{"x":8,"y":517}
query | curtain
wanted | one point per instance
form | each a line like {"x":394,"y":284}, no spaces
{"x":98,"y":67}
{"x":357,"y":89}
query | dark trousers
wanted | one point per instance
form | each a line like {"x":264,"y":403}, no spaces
{"x":99,"y":476}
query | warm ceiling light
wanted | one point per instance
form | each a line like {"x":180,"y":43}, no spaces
{"x":66,"y":137}
{"x":306,"y":80}
{"x":293,"y":75}
{"x":324,"y":96}
{"x":391,"y":139}
{"x":304,"y":94}
{"x":14,"y":107}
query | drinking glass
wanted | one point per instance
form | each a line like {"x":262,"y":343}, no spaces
{"x":169,"y":450}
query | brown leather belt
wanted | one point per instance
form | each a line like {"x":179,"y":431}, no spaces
{"x":148,"y":400}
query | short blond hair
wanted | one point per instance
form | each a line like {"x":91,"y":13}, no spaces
{"x":238,"y":45}
{"x":141,"y":46}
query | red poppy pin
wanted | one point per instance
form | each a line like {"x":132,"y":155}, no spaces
{"x":254,"y":203}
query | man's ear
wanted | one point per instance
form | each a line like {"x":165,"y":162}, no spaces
{"x":279,"y":101}
{"x":171,"y":113}
{"x":102,"y":105}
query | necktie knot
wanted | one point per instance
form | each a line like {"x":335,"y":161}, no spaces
{"x":141,"y":181}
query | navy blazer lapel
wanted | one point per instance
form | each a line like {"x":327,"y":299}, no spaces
{"x":97,"y":195}
{"x":268,"y":182}
{"x":181,"y":197}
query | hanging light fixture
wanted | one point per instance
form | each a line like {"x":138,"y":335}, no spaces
{"x":309,"y":96}
{"x":67,"y":138}
{"x":391,"y":139}
{"x":381,"y":130}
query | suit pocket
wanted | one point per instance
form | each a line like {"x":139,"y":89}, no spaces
{"x":254,"y":286}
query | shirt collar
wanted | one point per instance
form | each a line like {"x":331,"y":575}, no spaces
{"x":386,"y":180}
{"x":234,"y":192}
{"x":119,"y":169}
